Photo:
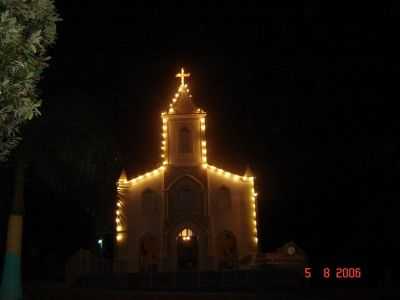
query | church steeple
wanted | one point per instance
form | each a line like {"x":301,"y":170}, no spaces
{"x":183,"y":132}
{"x":182,"y":102}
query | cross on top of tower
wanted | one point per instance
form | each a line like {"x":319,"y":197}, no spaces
{"x":182,"y":75}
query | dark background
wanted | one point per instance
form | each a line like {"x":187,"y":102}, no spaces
{"x":290,"y":89}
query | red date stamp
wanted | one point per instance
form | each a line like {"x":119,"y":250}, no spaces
{"x":334,"y":273}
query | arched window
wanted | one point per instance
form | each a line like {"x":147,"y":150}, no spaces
{"x":149,"y":202}
{"x":224,"y":199}
{"x":185,"y":140}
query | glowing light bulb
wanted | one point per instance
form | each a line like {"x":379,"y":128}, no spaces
{"x":119,"y":237}
{"x":171,"y":110}
{"x":119,"y":204}
{"x":256,"y":240}
{"x":118,"y":212}
{"x":203,"y":143}
{"x":119,"y":228}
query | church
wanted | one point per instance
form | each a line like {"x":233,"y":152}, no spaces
{"x":186,"y":214}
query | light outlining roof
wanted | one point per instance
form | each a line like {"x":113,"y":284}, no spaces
{"x":142,"y":177}
{"x":229,"y":175}
{"x":181,"y":103}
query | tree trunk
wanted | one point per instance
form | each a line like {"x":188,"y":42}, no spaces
{"x":11,"y":288}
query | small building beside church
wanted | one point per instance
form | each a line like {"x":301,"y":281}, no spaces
{"x":186,"y":214}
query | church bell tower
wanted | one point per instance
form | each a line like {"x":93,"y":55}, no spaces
{"x":183,"y":143}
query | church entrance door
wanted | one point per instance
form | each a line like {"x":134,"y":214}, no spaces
{"x":187,"y":251}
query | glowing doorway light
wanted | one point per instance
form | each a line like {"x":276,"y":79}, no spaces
{"x":186,"y":234}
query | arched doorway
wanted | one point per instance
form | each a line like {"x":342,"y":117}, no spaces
{"x":187,"y":250}
{"x":227,"y":250}
{"x":148,"y":253}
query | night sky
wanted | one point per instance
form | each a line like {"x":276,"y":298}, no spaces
{"x":292,"y":90}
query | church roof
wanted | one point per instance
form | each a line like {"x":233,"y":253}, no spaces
{"x":182,"y":102}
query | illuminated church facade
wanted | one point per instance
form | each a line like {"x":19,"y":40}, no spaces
{"x":186,"y":214}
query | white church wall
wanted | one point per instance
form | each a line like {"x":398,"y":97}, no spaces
{"x":237,"y":219}
{"x":142,"y":222}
